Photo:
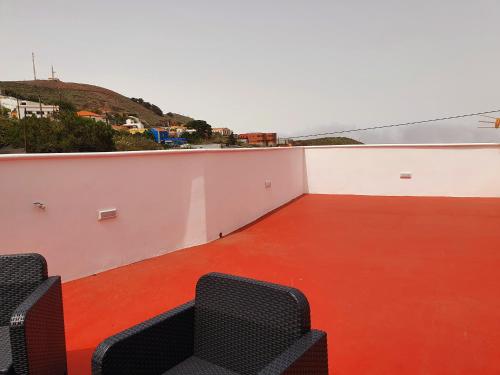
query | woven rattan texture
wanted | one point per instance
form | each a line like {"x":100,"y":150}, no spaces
{"x":34,"y":315}
{"x":242,"y":324}
{"x":235,"y":326}
{"x":151,"y":347}
{"x":19,"y":276}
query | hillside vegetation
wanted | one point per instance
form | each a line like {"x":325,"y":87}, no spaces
{"x":86,"y":97}
{"x":327,"y":141}
{"x":68,"y":132}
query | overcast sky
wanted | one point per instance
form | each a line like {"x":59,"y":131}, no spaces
{"x":295,"y":67}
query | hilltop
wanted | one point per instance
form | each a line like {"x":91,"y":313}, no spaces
{"x":86,"y":97}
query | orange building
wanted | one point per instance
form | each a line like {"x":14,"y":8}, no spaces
{"x":259,"y":139}
{"x":91,"y":115}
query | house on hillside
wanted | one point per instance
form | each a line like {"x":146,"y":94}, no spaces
{"x":133,"y":122}
{"x":226,"y":132}
{"x":135,"y":130}
{"x":162,"y":135}
{"x":259,"y":139}
{"x":178,"y":130}
{"x":24,"y":108}
{"x":91,"y":115}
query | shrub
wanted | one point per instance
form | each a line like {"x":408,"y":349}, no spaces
{"x":67,"y":133}
{"x":134,"y":142}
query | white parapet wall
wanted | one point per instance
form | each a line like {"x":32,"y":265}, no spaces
{"x":164,"y":200}
{"x":450,"y":170}
{"x":169,"y":200}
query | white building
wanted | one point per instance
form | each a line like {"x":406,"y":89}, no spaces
{"x":178,"y":130}
{"x":24,"y":108}
{"x":222,"y":131}
{"x":133,"y":122}
{"x":8,"y":102}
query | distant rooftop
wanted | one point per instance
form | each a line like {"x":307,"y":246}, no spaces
{"x":88,"y":113}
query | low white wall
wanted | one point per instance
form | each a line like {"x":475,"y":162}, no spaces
{"x":166,"y":200}
{"x":465,"y":170}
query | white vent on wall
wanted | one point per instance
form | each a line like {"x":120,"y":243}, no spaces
{"x":405,"y":175}
{"x":109,"y":213}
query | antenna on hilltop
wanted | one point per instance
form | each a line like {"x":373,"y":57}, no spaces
{"x":53,"y":74}
{"x":33,"y":60}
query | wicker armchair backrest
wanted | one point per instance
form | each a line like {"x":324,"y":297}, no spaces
{"x":20,"y":275}
{"x":243,"y":324}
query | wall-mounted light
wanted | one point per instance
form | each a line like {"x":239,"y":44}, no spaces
{"x":109,"y":213}
{"x":40,"y":205}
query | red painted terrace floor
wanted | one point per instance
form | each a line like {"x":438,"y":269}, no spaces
{"x":402,"y":285}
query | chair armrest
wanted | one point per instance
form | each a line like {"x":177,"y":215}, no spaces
{"x":308,"y":355}
{"x":37,"y":331}
{"x":151,"y":347}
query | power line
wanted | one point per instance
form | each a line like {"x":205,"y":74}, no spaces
{"x":400,"y":124}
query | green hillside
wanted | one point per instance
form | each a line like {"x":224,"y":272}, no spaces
{"x":86,"y":97}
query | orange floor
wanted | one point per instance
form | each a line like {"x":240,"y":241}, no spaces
{"x":401,"y":285}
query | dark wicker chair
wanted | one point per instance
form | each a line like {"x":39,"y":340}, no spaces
{"x":235,"y":326}
{"x":31,"y":318}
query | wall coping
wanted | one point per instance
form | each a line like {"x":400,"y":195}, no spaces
{"x":78,"y":155}
{"x":412,"y":145}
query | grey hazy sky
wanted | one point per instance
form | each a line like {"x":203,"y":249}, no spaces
{"x":295,"y":67}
